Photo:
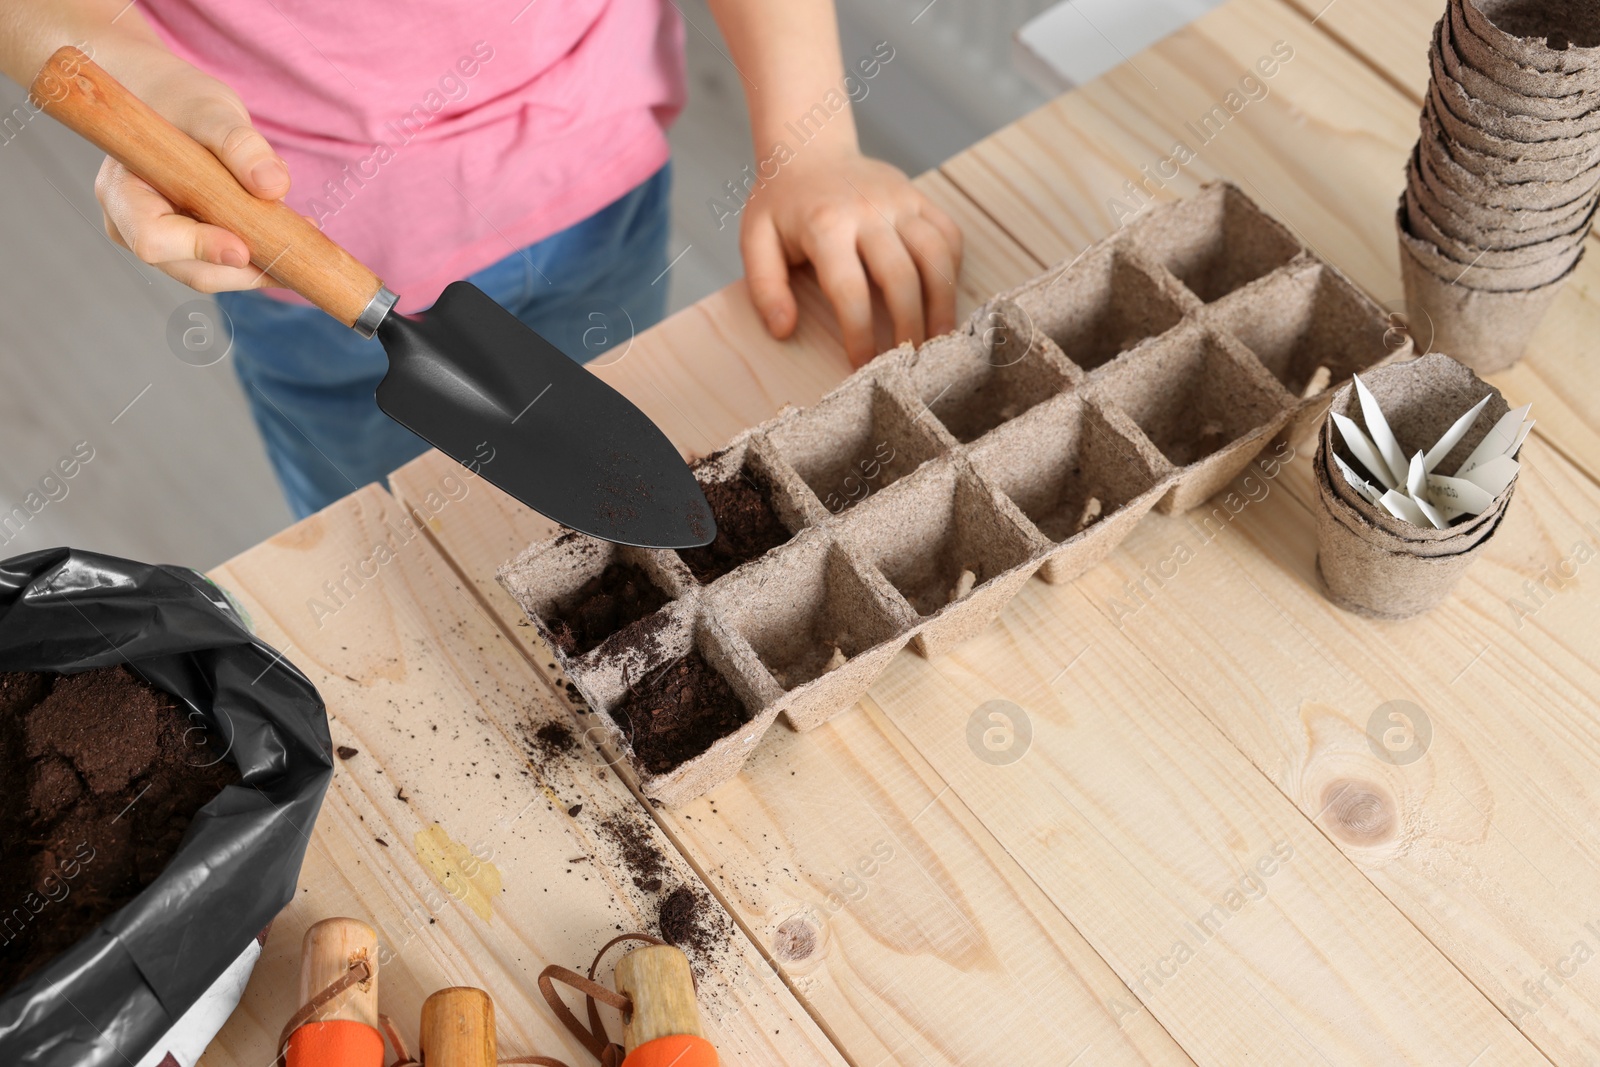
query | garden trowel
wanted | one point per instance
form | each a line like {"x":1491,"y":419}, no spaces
{"x":466,"y":375}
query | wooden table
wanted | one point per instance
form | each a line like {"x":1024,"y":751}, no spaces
{"x":1201,"y":857}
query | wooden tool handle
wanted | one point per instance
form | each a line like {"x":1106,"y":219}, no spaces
{"x":458,"y":1028}
{"x":75,"y":91}
{"x":326,"y":953}
{"x":658,"y":981}
{"x":343,"y":1032}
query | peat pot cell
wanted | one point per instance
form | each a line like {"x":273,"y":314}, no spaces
{"x":1069,"y":465}
{"x":1193,"y":393}
{"x":1216,"y":241}
{"x":975,"y":382}
{"x":608,"y":603}
{"x":854,"y":443}
{"x":690,"y":688}
{"x":808,"y":611}
{"x":938,"y":537}
{"x":1102,"y":305}
{"x":677,"y":712}
{"x":748,"y":510}
{"x":1311,"y":329}
{"x":582,"y":591}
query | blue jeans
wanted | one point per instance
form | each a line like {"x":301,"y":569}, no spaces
{"x":310,"y":381}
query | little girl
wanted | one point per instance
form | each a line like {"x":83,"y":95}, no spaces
{"x":518,"y":143}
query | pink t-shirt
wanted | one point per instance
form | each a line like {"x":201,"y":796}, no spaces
{"x":435,"y":137}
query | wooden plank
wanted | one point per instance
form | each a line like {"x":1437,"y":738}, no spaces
{"x":429,"y":691}
{"x":1324,"y":150}
{"x":1391,"y":36}
{"x":1241,"y":927}
{"x":909,"y":933}
{"x":1481,"y":829}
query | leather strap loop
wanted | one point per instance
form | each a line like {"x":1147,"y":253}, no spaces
{"x":358,"y":972}
{"x":592,"y":1037}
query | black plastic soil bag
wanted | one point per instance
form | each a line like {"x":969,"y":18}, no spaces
{"x":108,"y":999}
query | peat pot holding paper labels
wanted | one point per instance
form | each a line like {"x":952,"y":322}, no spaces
{"x":1415,"y":468}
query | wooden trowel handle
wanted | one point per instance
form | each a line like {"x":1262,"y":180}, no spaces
{"x":75,"y":91}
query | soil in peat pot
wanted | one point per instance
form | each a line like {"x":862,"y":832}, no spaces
{"x":612,"y":600}
{"x":747,"y":526}
{"x":100,"y":776}
{"x":678,"y":712}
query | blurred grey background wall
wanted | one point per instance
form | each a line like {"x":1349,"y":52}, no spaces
{"x":165,"y":462}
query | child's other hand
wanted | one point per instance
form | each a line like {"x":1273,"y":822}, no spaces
{"x":203,"y":257}
{"x":852,"y":217}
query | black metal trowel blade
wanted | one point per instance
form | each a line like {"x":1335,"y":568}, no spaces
{"x":470,"y":378}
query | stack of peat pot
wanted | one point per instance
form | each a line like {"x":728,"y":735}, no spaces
{"x":1502,"y":185}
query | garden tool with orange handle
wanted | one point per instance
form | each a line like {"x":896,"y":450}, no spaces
{"x":655,"y":994}
{"x":663,"y":1029}
{"x":337,"y":1024}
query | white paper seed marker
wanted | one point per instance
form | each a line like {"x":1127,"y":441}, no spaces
{"x":1499,"y":441}
{"x":1403,"y":507}
{"x":1363,"y":486}
{"x":1382,"y":436}
{"x":1522,"y":435}
{"x":1365,"y":454}
{"x":1417,"y":489}
{"x":1453,"y":435}
{"x":1458,"y":496}
{"x":1492,"y":476}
